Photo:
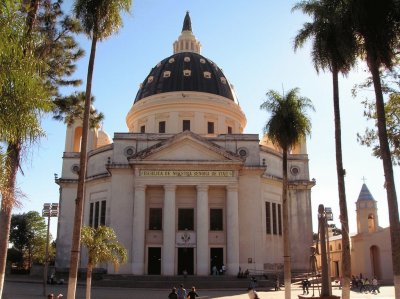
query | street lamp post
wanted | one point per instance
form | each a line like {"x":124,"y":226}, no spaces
{"x":49,"y":210}
{"x":328,"y":217}
{"x":323,"y":216}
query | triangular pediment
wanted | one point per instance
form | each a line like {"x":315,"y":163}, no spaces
{"x":186,"y":146}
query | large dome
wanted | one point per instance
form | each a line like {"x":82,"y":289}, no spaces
{"x":186,"y":71}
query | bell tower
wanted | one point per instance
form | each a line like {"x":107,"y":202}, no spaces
{"x":367,"y":212}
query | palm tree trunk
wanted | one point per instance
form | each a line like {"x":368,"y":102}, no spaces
{"x":79,"y":203}
{"x":7,"y":203}
{"x":89,"y":280}
{"x":346,"y":258}
{"x":286,"y":234}
{"x":373,"y":66}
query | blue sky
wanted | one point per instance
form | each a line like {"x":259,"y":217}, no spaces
{"x":252,"y":41}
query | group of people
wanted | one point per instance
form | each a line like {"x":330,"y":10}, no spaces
{"x":216,"y":271}
{"x":182,"y":294}
{"x":364,"y":285}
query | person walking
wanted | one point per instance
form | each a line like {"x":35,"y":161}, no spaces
{"x":181,"y":292}
{"x":375,"y":285}
{"x":192,"y":294}
{"x":252,"y":293}
{"x":173,"y":294}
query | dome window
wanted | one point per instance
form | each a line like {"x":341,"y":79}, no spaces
{"x":223,"y":80}
{"x":141,"y":85}
{"x":186,"y":59}
{"x":187,"y":73}
{"x":202,"y":60}
{"x":167,"y":74}
{"x":207,"y":75}
{"x":158,"y":64}
{"x":172,"y":60}
{"x":150,"y":79}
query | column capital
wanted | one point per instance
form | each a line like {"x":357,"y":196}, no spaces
{"x":140,"y":187}
{"x":232,"y":187}
{"x":202,"y":188}
{"x":169,"y":187}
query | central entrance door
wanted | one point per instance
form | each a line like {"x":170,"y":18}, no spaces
{"x":216,"y":259}
{"x":185,"y":260}
{"x":154,"y":261}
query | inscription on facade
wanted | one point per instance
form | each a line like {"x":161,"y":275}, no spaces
{"x":187,"y":173}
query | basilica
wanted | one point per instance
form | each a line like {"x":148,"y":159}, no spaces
{"x":184,"y":188}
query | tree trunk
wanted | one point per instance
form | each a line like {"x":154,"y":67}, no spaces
{"x":346,"y":257}
{"x":32,"y":15}
{"x":89,"y":280}
{"x":373,"y":66}
{"x":287,"y":273}
{"x":7,"y":204}
{"x":80,"y":197}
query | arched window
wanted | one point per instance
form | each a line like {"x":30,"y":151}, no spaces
{"x":77,"y":139}
{"x":371,"y":223}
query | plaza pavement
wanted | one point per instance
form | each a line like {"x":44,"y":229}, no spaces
{"x":28,"y":289}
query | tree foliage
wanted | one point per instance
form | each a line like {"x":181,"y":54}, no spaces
{"x":289,"y":122}
{"x":71,"y":108}
{"x":370,"y":136}
{"x":28,"y":235}
{"x":102,"y":247}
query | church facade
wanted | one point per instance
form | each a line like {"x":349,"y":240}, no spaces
{"x":185,"y":189}
{"x":371,"y":253}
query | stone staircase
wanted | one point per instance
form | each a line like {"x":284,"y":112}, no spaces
{"x":167,"y":282}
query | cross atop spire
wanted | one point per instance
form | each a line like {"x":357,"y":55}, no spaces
{"x":364,"y":179}
{"x":187,"y":23}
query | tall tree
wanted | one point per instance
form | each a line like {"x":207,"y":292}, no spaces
{"x":37,"y":53}
{"x":28,"y":235}
{"x":102,"y":247}
{"x":23,"y":98}
{"x":333,"y":49}
{"x":377,"y":25}
{"x":287,"y":126}
{"x":99,"y":20}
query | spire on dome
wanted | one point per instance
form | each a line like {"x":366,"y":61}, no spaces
{"x":187,"y":23}
{"x":187,"y":42}
{"x":365,"y":194}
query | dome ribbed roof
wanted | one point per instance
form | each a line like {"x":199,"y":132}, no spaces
{"x":186,"y":71}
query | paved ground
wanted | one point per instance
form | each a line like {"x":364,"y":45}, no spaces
{"x":17,"y":289}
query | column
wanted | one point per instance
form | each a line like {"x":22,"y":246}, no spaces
{"x":168,"y":255}
{"x":139,"y":212}
{"x":232,"y":230}
{"x":202,"y":231}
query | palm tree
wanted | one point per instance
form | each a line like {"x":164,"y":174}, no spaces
{"x":102,"y":247}
{"x":333,"y":48}
{"x":99,"y":20}
{"x":24,"y":98}
{"x":287,"y":126}
{"x":377,"y":25}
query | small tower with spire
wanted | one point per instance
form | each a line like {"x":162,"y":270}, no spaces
{"x":367,"y":212}
{"x":187,"y":42}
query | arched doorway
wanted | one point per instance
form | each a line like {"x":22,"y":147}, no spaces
{"x":375,"y":261}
